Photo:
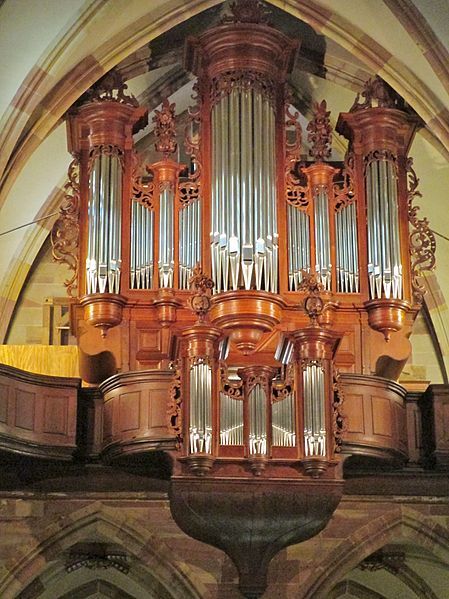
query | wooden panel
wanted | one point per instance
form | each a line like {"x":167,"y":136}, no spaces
{"x":149,"y":340}
{"x":4,"y":403}
{"x":353,"y":410}
{"x":25,"y":406}
{"x":136,"y":403}
{"x":129,"y":411}
{"x":107,"y":420}
{"x":55,"y":415}
{"x":158,"y":408}
{"x":381,"y":414}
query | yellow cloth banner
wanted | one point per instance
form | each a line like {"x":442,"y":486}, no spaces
{"x":53,"y":360}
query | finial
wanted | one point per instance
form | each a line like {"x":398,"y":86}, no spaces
{"x":165,"y":130}
{"x":247,"y":11}
{"x":202,"y":286}
{"x":320,"y":132}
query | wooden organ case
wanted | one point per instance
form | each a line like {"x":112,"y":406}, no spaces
{"x":248,"y":313}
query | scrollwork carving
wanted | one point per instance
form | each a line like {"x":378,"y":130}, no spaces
{"x":422,"y":240}
{"x":65,"y":231}
{"x":243,"y":80}
{"x":105,"y":150}
{"x":143,"y":192}
{"x":296,"y":191}
{"x":338,"y":419}
{"x":283,"y":387}
{"x":344,"y":193}
{"x":189,"y":190}
{"x":231,"y":388}
{"x":174,"y":407}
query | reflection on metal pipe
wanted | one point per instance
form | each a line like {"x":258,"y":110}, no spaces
{"x":200,"y":425}
{"x":347,"y":249}
{"x":231,"y":420}
{"x":257,"y":421}
{"x":384,"y":255}
{"x":283,"y":421}
{"x":166,"y":262}
{"x":244,"y":236}
{"x":141,"y":250}
{"x":189,"y":241}
{"x":314,"y":410}
{"x":103,"y":262}
{"x":323,"y":264}
{"x":298,"y":245}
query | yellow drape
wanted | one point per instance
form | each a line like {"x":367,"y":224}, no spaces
{"x":53,"y":360}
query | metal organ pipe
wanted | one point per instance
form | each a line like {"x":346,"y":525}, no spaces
{"x":314,"y":410}
{"x":142,"y":241}
{"x":244,"y":236}
{"x":347,"y":249}
{"x":384,"y":256}
{"x":200,"y":428}
{"x":103,"y":262}
{"x":258,"y":421}
{"x":166,"y":236}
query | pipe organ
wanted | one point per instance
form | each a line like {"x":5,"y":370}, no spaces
{"x":261,"y":276}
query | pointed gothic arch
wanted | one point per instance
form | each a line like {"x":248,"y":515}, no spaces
{"x":152,"y":563}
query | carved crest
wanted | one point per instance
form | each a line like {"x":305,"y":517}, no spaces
{"x":202,"y":286}
{"x":165,"y":130}
{"x":110,"y":87}
{"x":320,"y":132}
{"x":377,"y":94}
{"x":247,"y":11}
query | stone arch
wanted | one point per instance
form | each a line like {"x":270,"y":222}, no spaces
{"x":152,"y":562}
{"x":58,"y":94}
{"x":404,"y":524}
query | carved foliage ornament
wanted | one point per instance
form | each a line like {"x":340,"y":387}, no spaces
{"x":165,"y":130}
{"x":338,"y":420}
{"x":320,"y":133}
{"x":201,"y":286}
{"x":422,"y":240}
{"x":109,"y":88}
{"x":65,"y":231}
{"x":174,"y":407}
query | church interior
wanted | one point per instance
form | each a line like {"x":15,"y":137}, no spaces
{"x":224,"y":335}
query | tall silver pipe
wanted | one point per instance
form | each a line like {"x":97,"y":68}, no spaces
{"x":200,"y":426}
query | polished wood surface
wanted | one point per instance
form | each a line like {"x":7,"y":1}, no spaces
{"x":37,"y":414}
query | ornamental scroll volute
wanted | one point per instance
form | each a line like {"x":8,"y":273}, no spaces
{"x":422,"y":239}
{"x":174,"y":407}
{"x":65,"y":231}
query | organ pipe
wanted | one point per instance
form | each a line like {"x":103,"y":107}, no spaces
{"x":103,"y":262}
